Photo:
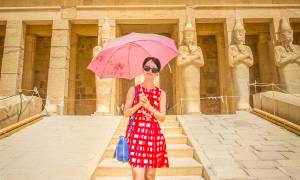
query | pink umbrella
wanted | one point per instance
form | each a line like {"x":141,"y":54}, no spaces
{"x":123,"y":57}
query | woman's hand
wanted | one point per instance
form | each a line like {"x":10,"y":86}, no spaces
{"x":140,"y":103}
{"x":145,"y":102}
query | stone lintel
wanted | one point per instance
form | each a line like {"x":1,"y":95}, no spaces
{"x":61,"y":24}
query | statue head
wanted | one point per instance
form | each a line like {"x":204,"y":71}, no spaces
{"x":238,"y":32}
{"x":105,"y":32}
{"x":285,"y":32}
{"x":188,"y":34}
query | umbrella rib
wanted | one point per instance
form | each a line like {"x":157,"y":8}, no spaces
{"x":158,"y":43}
{"x":128,"y":61}
{"x":141,"y":48}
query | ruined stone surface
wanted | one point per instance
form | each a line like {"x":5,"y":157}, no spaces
{"x":283,"y":105}
{"x":243,"y":146}
{"x":213,"y":23}
{"x":12,"y":112}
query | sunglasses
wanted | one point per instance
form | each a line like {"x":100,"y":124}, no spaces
{"x":148,"y":68}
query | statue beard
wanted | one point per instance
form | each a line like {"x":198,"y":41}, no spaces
{"x":287,"y":43}
{"x":239,"y":41}
{"x":190,"y":46}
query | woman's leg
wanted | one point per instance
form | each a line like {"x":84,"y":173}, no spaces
{"x":150,"y":173}
{"x":138,"y":173}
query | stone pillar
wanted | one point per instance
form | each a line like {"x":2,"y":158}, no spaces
{"x":57,"y":89}
{"x":240,"y":59}
{"x":230,"y":102}
{"x":189,"y":61}
{"x":13,"y":56}
{"x":287,"y":58}
{"x":223,"y":67}
{"x":29,"y":57}
{"x":105,"y":88}
{"x":71,"y":107}
{"x":264,"y":59}
{"x":273,"y":39}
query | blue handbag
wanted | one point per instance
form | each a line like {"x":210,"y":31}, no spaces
{"x":122,"y":150}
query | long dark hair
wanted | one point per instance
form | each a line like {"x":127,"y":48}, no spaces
{"x":154,"y":59}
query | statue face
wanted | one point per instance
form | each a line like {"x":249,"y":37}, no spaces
{"x":286,"y":36}
{"x":188,"y":37}
{"x":239,"y":36}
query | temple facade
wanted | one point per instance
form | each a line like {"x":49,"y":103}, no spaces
{"x":229,"y":50}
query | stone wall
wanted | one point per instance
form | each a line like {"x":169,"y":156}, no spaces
{"x":1,"y":50}
{"x":65,"y":43}
{"x":2,"y":37}
{"x":12,"y":110}
{"x":296,"y":29}
{"x":209,"y":77}
{"x":85,"y":79}
{"x":42,"y":64}
{"x":280,"y":104}
{"x":36,"y":59}
{"x":134,"y":2}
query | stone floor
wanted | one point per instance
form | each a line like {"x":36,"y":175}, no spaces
{"x":243,"y":146}
{"x":56,"y":148}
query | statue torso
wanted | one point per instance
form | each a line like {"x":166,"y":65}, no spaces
{"x":292,"y":52}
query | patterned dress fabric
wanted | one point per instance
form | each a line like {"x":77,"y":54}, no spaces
{"x":147,"y":145}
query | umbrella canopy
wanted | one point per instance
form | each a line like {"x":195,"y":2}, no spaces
{"x":123,"y":57}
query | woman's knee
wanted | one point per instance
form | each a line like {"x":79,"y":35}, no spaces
{"x":138,"y":173}
{"x":150,"y":173}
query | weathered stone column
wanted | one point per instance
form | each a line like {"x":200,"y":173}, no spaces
{"x":70,"y":104}
{"x":240,"y":59}
{"x":230,"y":102}
{"x":190,"y":60}
{"x":287,"y":58}
{"x":29,"y":56}
{"x":105,"y":88}
{"x":13,"y":57}
{"x":273,"y":40}
{"x":57,"y":89}
{"x":264,"y":59}
{"x":223,"y":68}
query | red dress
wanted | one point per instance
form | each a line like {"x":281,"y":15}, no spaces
{"x":147,"y":145}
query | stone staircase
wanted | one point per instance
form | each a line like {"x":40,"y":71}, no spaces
{"x":183,"y":165}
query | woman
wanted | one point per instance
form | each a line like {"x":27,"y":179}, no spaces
{"x":147,"y":145}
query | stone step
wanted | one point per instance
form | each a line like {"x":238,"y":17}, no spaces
{"x":178,"y":167}
{"x":171,"y":138}
{"x":156,"y":177}
{"x":173,"y":150}
{"x":168,"y":129}
{"x":171,"y":116}
{"x":123,"y":124}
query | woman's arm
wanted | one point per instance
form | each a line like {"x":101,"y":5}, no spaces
{"x":128,"y":108}
{"x":160,"y":115}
